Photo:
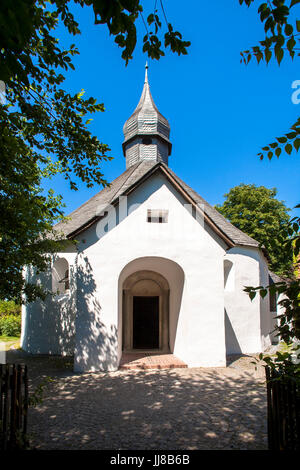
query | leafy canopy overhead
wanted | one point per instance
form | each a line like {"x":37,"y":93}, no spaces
{"x":44,"y":129}
{"x":282,"y":36}
{"x":256,"y":211}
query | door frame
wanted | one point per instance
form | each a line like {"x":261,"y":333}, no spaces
{"x":146,"y":284}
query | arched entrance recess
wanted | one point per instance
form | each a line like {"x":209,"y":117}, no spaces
{"x":146,"y":312}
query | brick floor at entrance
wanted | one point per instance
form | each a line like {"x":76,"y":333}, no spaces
{"x":142,"y":361}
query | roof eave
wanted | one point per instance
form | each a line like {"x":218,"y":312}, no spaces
{"x":159,"y":166}
{"x":150,"y":134}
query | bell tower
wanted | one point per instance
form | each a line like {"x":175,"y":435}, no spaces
{"x":146,"y":132}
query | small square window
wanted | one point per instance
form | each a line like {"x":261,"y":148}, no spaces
{"x":157,"y":216}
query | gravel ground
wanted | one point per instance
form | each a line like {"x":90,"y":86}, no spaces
{"x":195,"y":408}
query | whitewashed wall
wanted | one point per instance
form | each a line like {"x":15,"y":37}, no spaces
{"x":191,"y":258}
{"x":247,"y":323}
{"x":49,"y":327}
{"x":197,"y":331}
{"x":266,"y":316}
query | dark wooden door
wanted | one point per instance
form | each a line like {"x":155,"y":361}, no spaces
{"x":145,"y":322}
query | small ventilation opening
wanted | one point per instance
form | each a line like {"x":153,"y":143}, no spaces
{"x":157,"y":216}
{"x":147,"y":140}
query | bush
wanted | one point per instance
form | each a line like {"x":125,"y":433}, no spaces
{"x":9,"y":307}
{"x":10,"y":325}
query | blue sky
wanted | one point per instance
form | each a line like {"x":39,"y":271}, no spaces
{"x":221,"y":112}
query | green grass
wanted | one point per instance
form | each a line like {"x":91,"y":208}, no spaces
{"x":8,"y":342}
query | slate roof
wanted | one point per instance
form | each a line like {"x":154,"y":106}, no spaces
{"x":236,"y":235}
{"x":273,"y":278}
{"x":86,"y":214}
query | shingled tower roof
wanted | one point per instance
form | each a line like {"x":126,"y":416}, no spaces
{"x":146,"y":121}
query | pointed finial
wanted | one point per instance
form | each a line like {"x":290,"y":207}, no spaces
{"x":146,"y":72}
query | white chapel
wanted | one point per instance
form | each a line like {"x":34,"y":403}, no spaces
{"x":155,"y":269}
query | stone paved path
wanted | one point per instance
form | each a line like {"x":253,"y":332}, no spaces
{"x":195,"y":408}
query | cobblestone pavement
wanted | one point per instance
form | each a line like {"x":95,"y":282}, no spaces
{"x":196,"y":408}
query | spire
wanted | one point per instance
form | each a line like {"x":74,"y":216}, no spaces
{"x":147,"y":130}
{"x":146,"y":72}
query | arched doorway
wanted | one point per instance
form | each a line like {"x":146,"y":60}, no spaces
{"x":145,"y":312}
{"x":60,"y":276}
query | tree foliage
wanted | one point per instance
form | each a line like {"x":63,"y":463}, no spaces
{"x":9,"y":308}
{"x":44,"y":129}
{"x":282,"y":36}
{"x":256,"y":211}
{"x":121,"y":16}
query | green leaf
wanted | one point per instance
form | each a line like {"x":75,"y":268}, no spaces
{"x":291,"y":44}
{"x":150,"y":18}
{"x":252,"y":295}
{"x":296,"y":144}
{"x":281,"y":140}
{"x":263,"y":293}
{"x":288,"y":30}
{"x":288,"y":148}
{"x":292,"y":135}
{"x":278,"y":53}
{"x":268,"y":55}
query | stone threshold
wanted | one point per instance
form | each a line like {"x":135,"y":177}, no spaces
{"x":147,"y":360}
